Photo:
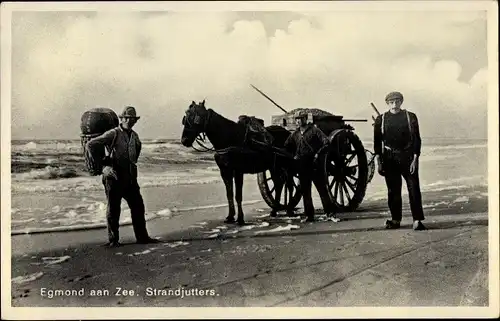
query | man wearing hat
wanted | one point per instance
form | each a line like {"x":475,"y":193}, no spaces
{"x":305,"y":143}
{"x":119,"y":177}
{"x":397,"y":145}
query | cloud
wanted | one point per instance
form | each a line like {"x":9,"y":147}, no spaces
{"x":65,"y":63}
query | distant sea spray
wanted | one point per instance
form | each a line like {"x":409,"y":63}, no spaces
{"x":52,"y":159}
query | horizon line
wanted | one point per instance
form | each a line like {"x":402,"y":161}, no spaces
{"x":173,"y":138}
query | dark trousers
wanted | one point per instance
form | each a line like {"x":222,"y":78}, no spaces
{"x":397,"y":165}
{"x":308,"y":175}
{"x":130,"y":191}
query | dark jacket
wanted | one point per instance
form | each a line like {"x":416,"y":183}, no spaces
{"x":398,"y":134}
{"x":126,"y":150}
{"x":305,"y":145}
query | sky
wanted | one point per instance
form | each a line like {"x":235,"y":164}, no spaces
{"x":64,"y":63}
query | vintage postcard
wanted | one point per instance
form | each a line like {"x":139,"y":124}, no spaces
{"x":270,"y":159}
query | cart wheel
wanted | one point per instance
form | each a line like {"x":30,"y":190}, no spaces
{"x":346,"y":170}
{"x":272,"y":190}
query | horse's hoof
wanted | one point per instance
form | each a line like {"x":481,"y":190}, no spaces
{"x":229,"y":220}
{"x":241,"y":223}
{"x":273,"y":214}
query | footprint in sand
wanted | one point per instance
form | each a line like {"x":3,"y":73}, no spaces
{"x":438,"y":263}
{"x":79,"y":278}
{"x":25,"y":293}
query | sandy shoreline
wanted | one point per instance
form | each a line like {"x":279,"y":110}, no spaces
{"x":270,"y":262}
{"x":210,"y":195}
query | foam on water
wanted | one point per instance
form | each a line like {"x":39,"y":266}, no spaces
{"x":92,"y":215}
{"x":28,"y":182}
{"x":27,"y":278}
{"x":176,"y":244}
{"x":55,"y":260}
{"x":461,"y":199}
{"x":288,"y":227}
{"x":455,"y":147}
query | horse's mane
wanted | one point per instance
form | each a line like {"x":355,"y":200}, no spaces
{"x":224,"y":132}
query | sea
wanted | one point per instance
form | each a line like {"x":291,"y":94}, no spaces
{"x":51,"y":191}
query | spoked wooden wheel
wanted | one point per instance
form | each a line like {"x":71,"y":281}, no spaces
{"x":346,"y":170}
{"x":274,"y":193}
{"x":370,"y":158}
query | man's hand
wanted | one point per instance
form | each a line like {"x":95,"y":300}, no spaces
{"x":380,"y":166}
{"x":108,"y":171}
{"x":414,"y":165}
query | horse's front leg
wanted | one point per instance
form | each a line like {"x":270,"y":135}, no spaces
{"x":227,"y":177}
{"x":238,"y":182}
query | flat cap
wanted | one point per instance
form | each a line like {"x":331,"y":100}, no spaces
{"x":394,"y":95}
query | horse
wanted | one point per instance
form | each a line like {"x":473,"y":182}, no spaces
{"x":233,"y":156}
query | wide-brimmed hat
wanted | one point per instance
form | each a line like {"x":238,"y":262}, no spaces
{"x":394,"y":95}
{"x":129,"y":112}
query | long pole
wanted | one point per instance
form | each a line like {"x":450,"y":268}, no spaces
{"x":376,"y":110}
{"x":260,"y":92}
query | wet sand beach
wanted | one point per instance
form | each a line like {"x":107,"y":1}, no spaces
{"x":270,"y":262}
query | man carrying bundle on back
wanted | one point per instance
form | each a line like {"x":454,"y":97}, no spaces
{"x":397,"y":146}
{"x":119,"y":176}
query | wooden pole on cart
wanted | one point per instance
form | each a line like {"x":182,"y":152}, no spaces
{"x":376,"y":110}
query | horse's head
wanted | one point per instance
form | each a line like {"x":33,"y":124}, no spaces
{"x":194,"y":122}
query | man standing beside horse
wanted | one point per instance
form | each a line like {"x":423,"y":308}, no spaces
{"x":119,"y":176}
{"x":305,"y":143}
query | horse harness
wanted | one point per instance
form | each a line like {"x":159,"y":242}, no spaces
{"x":197,"y":120}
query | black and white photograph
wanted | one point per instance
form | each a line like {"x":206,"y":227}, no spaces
{"x":331,"y":155}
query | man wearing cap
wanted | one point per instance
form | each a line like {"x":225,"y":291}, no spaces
{"x":119,"y":177}
{"x":305,"y":143}
{"x":397,"y":145}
